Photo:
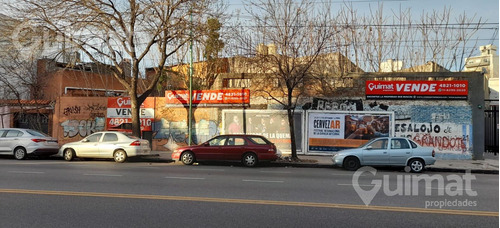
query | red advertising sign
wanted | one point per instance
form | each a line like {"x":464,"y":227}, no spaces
{"x":119,"y":114}
{"x":224,"y":96}
{"x":447,"y":90}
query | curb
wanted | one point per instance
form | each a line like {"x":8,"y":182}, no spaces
{"x":455,"y":170}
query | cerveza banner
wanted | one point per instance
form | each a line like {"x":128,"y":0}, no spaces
{"x":428,"y":90}
{"x":334,"y":131}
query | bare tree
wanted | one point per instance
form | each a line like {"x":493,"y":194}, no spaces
{"x":19,"y":85}
{"x":298,"y":32}
{"x":110,"y":31}
{"x":372,"y":38}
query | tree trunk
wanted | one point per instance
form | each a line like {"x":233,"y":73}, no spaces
{"x":291,"y":122}
{"x":136,"y":121}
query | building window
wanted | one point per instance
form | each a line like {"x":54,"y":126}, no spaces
{"x":236,"y":83}
{"x":345,"y":82}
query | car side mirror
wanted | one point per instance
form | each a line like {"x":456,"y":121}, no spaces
{"x":85,"y":140}
{"x":206,"y":144}
{"x":369,"y":147}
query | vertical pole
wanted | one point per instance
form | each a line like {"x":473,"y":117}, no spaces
{"x":190,"y":80}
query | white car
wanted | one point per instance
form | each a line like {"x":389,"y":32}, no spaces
{"x":106,"y":144}
{"x":23,"y":142}
{"x":386,"y":151}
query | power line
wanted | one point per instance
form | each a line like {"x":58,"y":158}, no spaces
{"x":401,"y":26}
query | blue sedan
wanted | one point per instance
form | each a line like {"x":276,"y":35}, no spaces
{"x":386,"y":151}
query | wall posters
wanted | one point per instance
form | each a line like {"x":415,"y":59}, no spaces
{"x":271,"y":124}
{"x":119,"y":114}
{"x":334,"y":131}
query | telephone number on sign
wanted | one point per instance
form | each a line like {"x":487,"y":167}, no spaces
{"x":119,"y":121}
{"x":453,"y":85}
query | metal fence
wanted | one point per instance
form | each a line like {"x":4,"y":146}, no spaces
{"x":491,"y":129}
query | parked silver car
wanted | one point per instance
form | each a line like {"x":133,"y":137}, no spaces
{"x":23,"y":142}
{"x":106,"y":144}
{"x":386,"y":151}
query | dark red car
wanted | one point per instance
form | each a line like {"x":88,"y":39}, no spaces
{"x":249,"y":149}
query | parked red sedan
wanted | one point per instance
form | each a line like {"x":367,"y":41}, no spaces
{"x":249,"y":149}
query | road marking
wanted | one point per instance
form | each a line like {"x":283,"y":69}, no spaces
{"x":264,"y":181}
{"x":279,"y":172}
{"x":186,"y":178}
{"x":102,"y":174}
{"x":220,"y":170}
{"x":255,"y":202}
{"x":26,"y":172}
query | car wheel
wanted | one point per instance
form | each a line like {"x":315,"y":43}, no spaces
{"x":120,"y":156}
{"x":187,"y":158}
{"x":351,"y":164}
{"x":249,"y":160}
{"x":20,"y":153}
{"x":69,"y":154}
{"x":416,"y":165}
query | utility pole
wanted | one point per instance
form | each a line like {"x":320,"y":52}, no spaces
{"x":190,"y":131}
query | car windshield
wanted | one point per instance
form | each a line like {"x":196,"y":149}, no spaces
{"x":36,"y":133}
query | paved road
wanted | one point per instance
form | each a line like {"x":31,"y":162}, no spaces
{"x":55,"y":193}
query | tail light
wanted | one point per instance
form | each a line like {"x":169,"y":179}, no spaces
{"x":136,"y":143}
{"x":433,"y":153}
{"x":38,"y":140}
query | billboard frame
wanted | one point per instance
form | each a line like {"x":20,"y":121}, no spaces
{"x":305,"y":139}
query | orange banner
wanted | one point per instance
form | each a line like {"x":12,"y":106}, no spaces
{"x":224,"y":96}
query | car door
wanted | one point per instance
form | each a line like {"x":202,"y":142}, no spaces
{"x":400,"y":151}
{"x":234,"y":148}
{"x":4,"y":148}
{"x":376,"y":153}
{"x":88,"y":147}
{"x":211,"y":150}
{"x":108,"y":144}
{"x":14,"y":138}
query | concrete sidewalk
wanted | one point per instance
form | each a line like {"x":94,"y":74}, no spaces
{"x":489,"y":165}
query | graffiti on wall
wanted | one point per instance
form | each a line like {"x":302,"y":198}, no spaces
{"x":177,"y":131}
{"x":75,"y":109}
{"x":443,"y":137}
{"x":82,"y":128}
{"x":79,"y":117}
{"x":447,"y":129}
{"x":337,"y":105}
{"x":96,"y":110}
{"x":401,"y":112}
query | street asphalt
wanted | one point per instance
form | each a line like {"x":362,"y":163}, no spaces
{"x":490,"y":164}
